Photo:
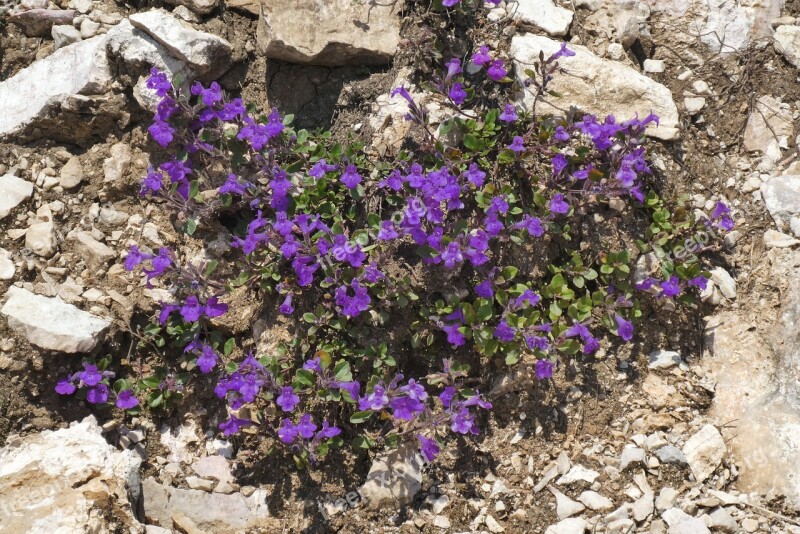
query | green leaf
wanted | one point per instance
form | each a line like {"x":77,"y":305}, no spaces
{"x":471,"y":142}
{"x":304,"y":377}
{"x":191,"y":226}
{"x":309,"y":317}
{"x":342,"y":372}
{"x":361,"y":417}
{"x":211,"y":266}
{"x":229,"y":346}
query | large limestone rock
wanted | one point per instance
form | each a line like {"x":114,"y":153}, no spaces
{"x":781,"y":196}
{"x":787,"y":42}
{"x":13,"y":191}
{"x":52,"y":324}
{"x":541,"y":14}
{"x":210,"y":512}
{"x":394,"y":478}
{"x":756,"y":368}
{"x":329,"y":32}
{"x":597,"y":86}
{"x":769,"y":127}
{"x":206,"y":53}
{"x":47,"y":85}
{"x":68,"y":481}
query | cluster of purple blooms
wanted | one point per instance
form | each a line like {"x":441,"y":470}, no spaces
{"x":95,"y":382}
{"x":435,"y":202}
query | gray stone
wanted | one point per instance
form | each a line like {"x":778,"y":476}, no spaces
{"x":682,"y":523}
{"x":704,"y":452}
{"x":215,"y":467}
{"x":210,"y":512}
{"x":13,"y":191}
{"x":544,"y":15}
{"x":71,"y":173}
{"x":663,"y":359}
{"x":89,"y":28}
{"x":201,"y":7}
{"x":782,"y":198}
{"x":69,"y":72}
{"x":598,"y":86}
{"x":787,"y":42}
{"x":631,"y":456}
{"x":769,"y":127}
{"x":94,"y":252}
{"x":198,"y":483}
{"x":331,"y":33}
{"x":65,"y":482}
{"x":670,"y":454}
{"x":64,"y":35}
{"x":775,"y":239}
{"x":39,"y":22}
{"x":208,"y":54}
{"x":52,"y":324}
{"x":394,"y":478}
{"x":666,"y":499}
{"x":643,"y":507}
{"x":724,"y":281}
{"x":115,"y":167}
{"x":40,"y":238}
{"x":722,"y":520}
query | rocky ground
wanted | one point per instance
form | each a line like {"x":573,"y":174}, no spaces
{"x":696,"y":429}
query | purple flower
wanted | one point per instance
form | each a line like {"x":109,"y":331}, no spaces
{"x":208,"y":96}
{"x":509,"y":114}
{"x":320,"y":168}
{"x":402,"y":91}
{"x":561,"y":134}
{"x":152,"y":182}
{"x":97,"y":394}
{"x":162,"y":133}
{"x":387,"y":231}
{"x":405,"y":408}
{"x":231,"y":186}
{"x":126,"y":400}
{"x":537,"y":342}
{"x":700,"y":282}
{"x":562,"y":52}
{"x":233,"y":425}
{"x":191,"y":309}
{"x":457,"y":94}
{"x":527,"y":297}
{"x":233,"y":109}
{"x":450,"y":3}
{"x":532,"y":224}
{"x":327,"y":431}
{"x":453,"y":68}
{"x":286,"y":308}
{"x":721,"y":215}
{"x":452,"y":255}
{"x":160,"y":264}
{"x":559,"y":163}
{"x":414,"y":390}
{"x":428,"y":447}
{"x":624,"y":328}
{"x":558,"y":204}
{"x":518,"y":145}
{"x":376,"y":400}
{"x":484,"y":289}
{"x":158,"y":82}
{"x":474,"y":175}
{"x":214,"y":308}
{"x":306,"y":427}
{"x":543,"y":369}
{"x":447,"y":395}
{"x":671,"y":287}
{"x":454,"y":336}
{"x":134,"y":258}
{"x":353,"y":305}
{"x":352,"y":388}
{"x":207,"y":359}
{"x":65,"y":387}
{"x":463,"y":422}
{"x":504,"y":332}
{"x":590,"y":345}
{"x":288,"y":399}
{"x":90,"y":376}
{"x":351,"y":178}
{"x":313,"y":365}
{"x":497,"y":70}
{"x":481,"y":57}
{"x":287,"y":432}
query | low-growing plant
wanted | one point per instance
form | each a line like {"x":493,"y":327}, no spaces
{"x":479,"y":243}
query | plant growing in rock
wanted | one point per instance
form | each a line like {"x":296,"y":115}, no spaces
{"x":481,"y":243}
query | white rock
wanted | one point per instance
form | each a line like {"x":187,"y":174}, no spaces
{"x":781,"y":196}
{"x":40,"y":238}
{"x":204,"y":52}
{"x":775,"y":239}
{"x":724,"y":281}
{"x":704,"y":452}
{"x":577,"y":473}
{"x":565,"y":507}
{"x":654,"y":65}
{"x":29,"y":95}
{"x":493,"y":525}
{"x":441,"y":521}
{"x":663,"y":359}
{"x":544,"y":15}
{"x":729,"y":26}
{"x":694,"y":104}
{"x":631,"y":456}
{"x":769,"y":127}
{"x":666,"y":499}
{"x":94,"y":252}
{"x":13,"y":191}
{"x":595,"y":501}
{"x":722,"y":520}
{"x":115,"y":167}
{"x":89,"y":28}
{"x":573,"y":525}
{"x":597,"y":86}
{"x":394,"y":478}
{"x":642,"y":507}
{"x":198,"y":483}
{"x":177,"y":441}
{"x":82,"y":6}
{"x":52,"y":324}
{"x":63,"y":481}
{"x":682,"y":523}
{"x":787,"y":42}
{"x":71,"y":173}
{"x":64,"y":35}
{"x":202,"y":7}
{"x":669,"y":454}
{"x":7,"y":267}
{"x":330,"y":33}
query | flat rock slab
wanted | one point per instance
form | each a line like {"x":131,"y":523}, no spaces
{"x":52,"y":324}
{"x":65,"y":481}
{"x":782,"y":197}
{"x":13,"y":191}
{"x":78,"y":69}
{"x":203,"y":51}
{"x":209,"y":512}
{"x":704,"y":451}
{"x":330,"y":32}
{"x":594,"y":85}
